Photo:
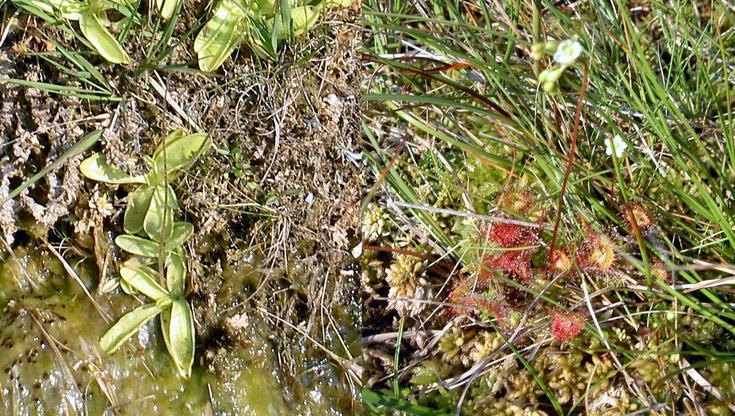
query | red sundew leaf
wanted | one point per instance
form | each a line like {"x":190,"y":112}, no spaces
{"x":658,"y":269}
{"x":474,"y":304}
{"x":487,"y":271}
{"x":597,"y":253}
{"x":498,"y":311}
{"x":511,"y":235}
{"x":516,"y":200}
{"x":477,"y":303}
{"x":515,"y":265}
{"x":560,"y":261}
{"x":636,"y":215}
{"x":516,"y":298}
{"x":565,"y":326}
{"x":467,"y":298}
{"x":458,"y":298}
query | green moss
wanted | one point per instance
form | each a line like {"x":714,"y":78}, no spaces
{"x":427,"y":372}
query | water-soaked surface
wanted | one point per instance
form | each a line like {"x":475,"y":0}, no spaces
{"x":313,"y":383}
{"x":51,"y":363}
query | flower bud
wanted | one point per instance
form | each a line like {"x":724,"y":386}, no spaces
{"x":537,"y":51}
{"x":550,"y":87}
{"x":550,"y":74}
{"x":551,"y":45}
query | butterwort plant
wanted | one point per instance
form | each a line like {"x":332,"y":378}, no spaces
{"x":258,"y":23}
{"x":92,"y":16}
{"x":94,"y":20}
{"x":157,"y":268}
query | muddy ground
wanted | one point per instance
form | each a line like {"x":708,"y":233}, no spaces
{"x":275,"y":201}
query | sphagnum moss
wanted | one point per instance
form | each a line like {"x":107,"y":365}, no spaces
{"x":406,"y":285}
{"x":373,"y":223}
{"x":455,"y":346}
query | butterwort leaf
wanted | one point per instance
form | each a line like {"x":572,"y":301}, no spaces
{"x":220,"y":36}
{"x":303,"y":18}
{"x":176,"y":273}
{"x":138,"y":245}
{"x":181,"y":336}
{"x":137,"y":209}
{"x":167,"y":8}
{"x":143,"y":279}
{"x":182,"y":232}
{"x":128,"y":325}
{"x":159,"y":220}
{"x":340,"y":3}
{"x":98,"y":169}
{"x":178,"y":150}
{"x":126,"y":287}
{"x":103,"y":42}
{"x":263,"y":7}
{"x":300,"y":19}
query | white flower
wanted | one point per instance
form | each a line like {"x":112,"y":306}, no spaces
{"x":616,"y":144}
{"x":567,"y":52}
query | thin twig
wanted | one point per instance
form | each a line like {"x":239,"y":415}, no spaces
{"x":163,"y":92}
{"x":77,"y":279}
{"x":467,"y":214}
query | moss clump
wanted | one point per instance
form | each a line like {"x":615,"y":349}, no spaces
{"x":455,"y":345}
{"x":722,"y":376}
{"x":484,"y":344}
{"x":403,"y":277}
{"x":573,"y":373}
{"x":429,"y":371}
{"x":561,"y":370}
{"x":612,"y":400}
{"x":502,"y":406}
{"x":506,"y":389}
{"x":373,"y":223}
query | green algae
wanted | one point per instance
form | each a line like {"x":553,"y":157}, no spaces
{"x":52,"y":364}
